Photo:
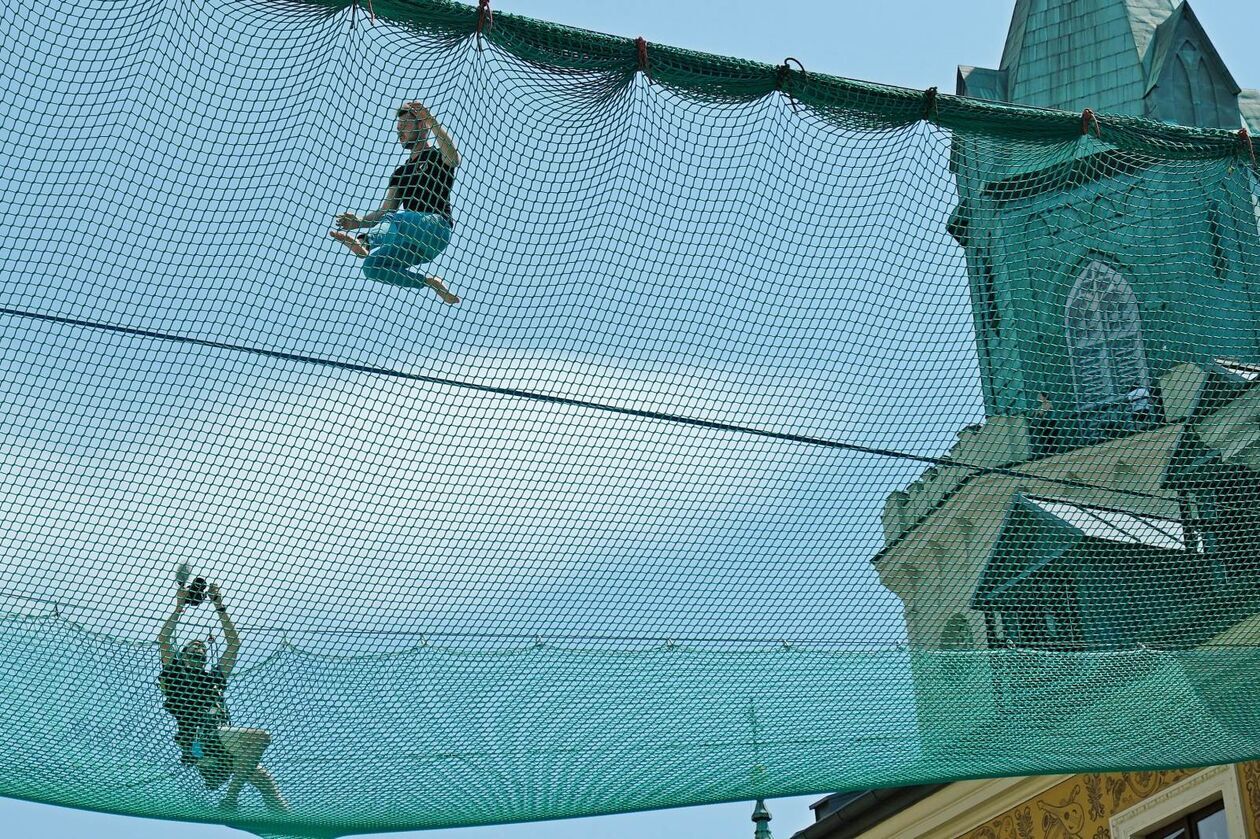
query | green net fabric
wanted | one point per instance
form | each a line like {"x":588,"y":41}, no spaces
{"x":792,"y":435}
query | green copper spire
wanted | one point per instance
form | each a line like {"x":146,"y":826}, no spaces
{"x":1149,"y":58}
{"x":761,"y":818}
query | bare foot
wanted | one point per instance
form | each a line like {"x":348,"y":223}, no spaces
{"x":354,"y":243}
{"x":445,"y":293}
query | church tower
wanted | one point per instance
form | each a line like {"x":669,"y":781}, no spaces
{"x":1116,"y":307}
{"x":1086,"y":266}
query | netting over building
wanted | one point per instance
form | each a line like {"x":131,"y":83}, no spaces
{"x":673,"y":506}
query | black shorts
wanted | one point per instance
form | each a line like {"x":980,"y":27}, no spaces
{"x":215,"y":764}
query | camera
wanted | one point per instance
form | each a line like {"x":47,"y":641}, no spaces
{"x":197,"y":591}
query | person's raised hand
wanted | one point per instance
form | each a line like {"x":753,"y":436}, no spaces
{"x":422,"y":113}
{"x":182,"y":596}
{"x":216,"y":596}
{"x":349,"y":221}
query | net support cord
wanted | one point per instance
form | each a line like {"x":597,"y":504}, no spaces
{"x":660,"y":416}
{"x":704,"y":73}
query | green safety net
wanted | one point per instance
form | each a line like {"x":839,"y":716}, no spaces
{"x":793,"y":434}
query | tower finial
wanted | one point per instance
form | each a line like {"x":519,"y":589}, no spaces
{"x":761,"y":818}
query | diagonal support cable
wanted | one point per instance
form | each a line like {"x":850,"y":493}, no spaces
{"x":518,"y":393}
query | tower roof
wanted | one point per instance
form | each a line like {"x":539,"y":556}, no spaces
{"x":1081,"y":53}
{"x":1108,"y":55}
{"x":1143,"y":18}
{"x":1249,"y":105}
{"x":1165,"y":41}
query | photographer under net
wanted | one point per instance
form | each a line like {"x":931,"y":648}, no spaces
{"x":194,"y":696}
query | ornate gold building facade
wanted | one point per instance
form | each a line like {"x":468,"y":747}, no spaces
{"x":1224,"y":800}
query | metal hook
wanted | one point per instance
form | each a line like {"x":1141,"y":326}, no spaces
{"x":783,"y":79}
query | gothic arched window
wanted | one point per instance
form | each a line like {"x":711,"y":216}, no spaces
{"x":1191,"y":90}
{"x":1104,"y":335}
{"x":1181,"y":74}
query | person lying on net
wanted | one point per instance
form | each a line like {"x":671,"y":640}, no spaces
{"x":193,"y":695}
{"x":414,"y":222}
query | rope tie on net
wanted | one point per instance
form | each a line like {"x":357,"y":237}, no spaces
{"x":485,"y":17}
{"x":1090,"y":120}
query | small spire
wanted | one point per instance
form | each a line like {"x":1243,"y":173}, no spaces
{"x":761,"y":818}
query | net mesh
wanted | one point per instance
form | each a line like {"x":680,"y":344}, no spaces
{"x":793,"y":434}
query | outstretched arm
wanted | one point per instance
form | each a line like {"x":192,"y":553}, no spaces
{"x":165,"y":648}
{"x":349,"y":221}
{"x":228,"y":661}
{"x":450,"y":154}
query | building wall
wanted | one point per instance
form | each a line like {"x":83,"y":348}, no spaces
{"x":1249,"y":781}
{"x":1082,"y":806}
{"x":1078,"y":808}
{"x":1059,"y":807}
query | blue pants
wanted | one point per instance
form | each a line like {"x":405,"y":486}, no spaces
{"x":402,"y":240}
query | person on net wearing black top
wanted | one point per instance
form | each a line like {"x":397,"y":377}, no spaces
{"x":414,"y":222}
{"x":193,"y":695}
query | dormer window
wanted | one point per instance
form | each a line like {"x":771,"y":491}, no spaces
{"x":1104,"y":335}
